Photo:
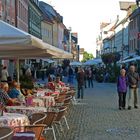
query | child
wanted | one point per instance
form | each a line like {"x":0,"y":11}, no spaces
{"x":122,"y":88}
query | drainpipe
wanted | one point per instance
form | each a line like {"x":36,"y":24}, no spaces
{"x":70,"y":39}
{"x":122,"y":39}
{"x":16,"y":7}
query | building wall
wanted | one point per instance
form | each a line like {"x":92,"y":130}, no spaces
{"x":22,"y":14}
{"x":118,"y":38}
{"x":34,"y":19}
{"x":60,"y":35}
{"x":0,"y":9}
{"x":47,"y":32}
{"x":112,"y":44}
{"x":133,"y":34}
{"x":55,"y":34}
{"x":106,"y":45}
{"x":125,"y":41}
{"x":7,"y":11}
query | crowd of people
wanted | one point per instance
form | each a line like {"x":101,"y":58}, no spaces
{"x":10,"y":92}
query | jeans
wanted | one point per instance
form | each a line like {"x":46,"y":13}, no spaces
{"x":80,"y":91}
{"x":70,"y":79}
{"x":133,"y":97}
{"x":122,"y":99}
{"x":90,"y":82}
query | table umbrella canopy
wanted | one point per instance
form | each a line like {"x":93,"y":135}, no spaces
{"x":75,"y":63}
{"x":93,"y":62}
{"x":17,"y":43}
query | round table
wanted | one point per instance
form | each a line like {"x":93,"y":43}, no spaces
{"x":13,"y":119}
{"x":25,"y":110}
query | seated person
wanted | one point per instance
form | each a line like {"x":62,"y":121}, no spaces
{"x":4,"y":97}
{"x":15,"y":92}
{"x":50,"y":85}
{"x":58,"y":83}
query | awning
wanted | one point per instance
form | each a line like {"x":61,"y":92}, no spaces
{"x":17,"y":43}
{"x":132,"y":59}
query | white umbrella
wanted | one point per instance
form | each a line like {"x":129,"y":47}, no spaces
{"x":75,"y":63}
{"x":93,"y":62}
{"x":49,"y":61}
{"x":90,"y":62}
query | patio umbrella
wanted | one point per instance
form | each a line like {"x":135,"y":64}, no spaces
{"x":75,"y":63}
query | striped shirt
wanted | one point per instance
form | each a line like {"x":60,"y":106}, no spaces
{"x":4,"y":97}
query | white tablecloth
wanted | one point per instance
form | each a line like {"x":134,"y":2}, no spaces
{"x":13,"y":119}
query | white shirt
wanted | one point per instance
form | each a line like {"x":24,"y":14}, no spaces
{"x":4,"y":75}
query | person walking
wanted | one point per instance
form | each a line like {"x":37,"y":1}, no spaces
{"x":90,"y":78}
{"x":80,"y":81}
{"x":70,"y":75}
{"x":122,"y":83}
{"x":133,"y":81}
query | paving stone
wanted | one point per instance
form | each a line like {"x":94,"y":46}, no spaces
{"x":97,"y":113}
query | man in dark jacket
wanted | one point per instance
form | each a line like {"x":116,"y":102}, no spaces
{"x":133,"y":81}
{"x":80,"y":81}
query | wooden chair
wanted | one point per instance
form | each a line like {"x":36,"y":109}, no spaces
{"x":6,"y":133}
{"x":37,"y":129}
{"x":59,"y":117}
{"x":37,"y":118}
{"x":49,"y":121}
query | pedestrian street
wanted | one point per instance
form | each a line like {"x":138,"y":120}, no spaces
{"x":97,"y":117}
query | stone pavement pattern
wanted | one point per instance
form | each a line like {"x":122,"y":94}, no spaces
{"x":97,"y":117}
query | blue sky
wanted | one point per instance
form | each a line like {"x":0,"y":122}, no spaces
{"x":85,"y":16}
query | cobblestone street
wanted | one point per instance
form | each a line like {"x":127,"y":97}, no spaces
{"x":97,"y":117}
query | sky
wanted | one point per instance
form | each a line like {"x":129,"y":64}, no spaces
{"x":85,"y":16}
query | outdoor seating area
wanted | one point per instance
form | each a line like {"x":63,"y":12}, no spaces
{"x":41,"y":111}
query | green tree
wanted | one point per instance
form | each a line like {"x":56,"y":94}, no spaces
{"x":87,"y":56}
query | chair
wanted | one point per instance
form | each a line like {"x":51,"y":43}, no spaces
{"x":49,"y":122}
{"x":67,"y":100}
{"x":72,"y":93}
{"x":37,"y":118}
{"x":6,"y":133}
{"x":60,"y":116}
{"x":37,"y":129}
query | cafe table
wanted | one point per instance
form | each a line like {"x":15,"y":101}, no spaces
{"x":30,"y":110}
{"x":27,"y":110}
{"x":46,"y":101}
{"x":13,"y":120}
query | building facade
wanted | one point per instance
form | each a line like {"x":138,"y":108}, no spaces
{"x":34,"y":18}
{"x":47,"y":30}
{"x":75,"y":50}
{"x":7,"y":11}
{"x":134,"y":30}
{"x":61,"y":28}
{"x":22,"y":14}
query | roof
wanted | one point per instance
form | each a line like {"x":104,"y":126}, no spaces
{"x":111,"y":26}
{"x":135,"y":13}
{"x":124,"y":20}
{"x":50,"y":12}
{"x":124,"y":5}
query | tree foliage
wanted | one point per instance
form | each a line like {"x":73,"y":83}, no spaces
{"x":109,"y":58}
{"x":87,"y":56}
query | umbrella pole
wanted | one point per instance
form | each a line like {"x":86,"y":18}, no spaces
{"x":17,"y":69}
